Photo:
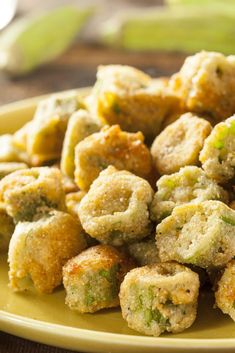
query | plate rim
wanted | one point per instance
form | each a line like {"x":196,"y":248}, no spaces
{"x":114,"y":338}
{"x":49,"y":330}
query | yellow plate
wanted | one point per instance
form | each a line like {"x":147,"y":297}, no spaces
{"x":45,"y":318}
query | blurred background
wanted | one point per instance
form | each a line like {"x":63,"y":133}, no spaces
{"x":54,"y":45}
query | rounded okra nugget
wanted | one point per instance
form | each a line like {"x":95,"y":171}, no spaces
{"x":27,"y":192}
{"x":206,"y":84}
{"x":21,"y":135}
{"x":10,"y":167}
{"x":72,"y":201}
{"x":9,"y":152}
{"x":199,"y":234}
{"x":189,"y":185}
{"x":115,"y":210}
{"x":144,"y":252}
{"x":38,"y":250}
{"x":225,"y":294}
{"x":160,"y":297}
{"x":45,"y":140}
{"x":218,"y":154}
{"x":126,"y":96}
{"x":80,"y":125}
{"x":6,"y":228}
{"x":179,"y":143}
{"x":92,"y":279}
{"x":111,"y":146}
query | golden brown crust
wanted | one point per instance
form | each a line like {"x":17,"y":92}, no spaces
{"x":111,"y":146}
{"x":180,"y":143}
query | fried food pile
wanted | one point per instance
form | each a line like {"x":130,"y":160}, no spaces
{"x":126,"y":196}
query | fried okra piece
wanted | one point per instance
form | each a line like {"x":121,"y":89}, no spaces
{"x":160,"y":297}
{"x":92,"y":279}
{"x":72,"y":201}
{"x":180,"y":143}
{"x":144,"y":252}
{"x":6,"y":228}
{"x":206,"y":84}
{"x":10,"y":167}
{"x":111,"y":146}
{"x":126,"y":96}
{"x":189,"y":185}
{"x":27,"y":192}
{"x":21,"y":135}
{"x":218,"y":154}
{"x":199,"y":234}
{"x":115,"y":210}
{"x":45,"y":140}
{"x":38,"y":250}
{"x":9,"y":152}
{"x":80,"y":125}
{"x":225,"y":294}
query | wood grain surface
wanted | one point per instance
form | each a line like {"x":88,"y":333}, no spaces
{"x":77,"y":68}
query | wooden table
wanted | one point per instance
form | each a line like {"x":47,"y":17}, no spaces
{"x":76,"y":68}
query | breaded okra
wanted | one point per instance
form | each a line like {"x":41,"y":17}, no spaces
{"x":6,"y":228}
{"x":20,"y":136}
{"x":180,"y":143}
{"x":199,"y":234}
{"x":38,"y":250}
{"x":9,"y":152}
{"x":126,"y":96}
{"x":225,"y":294}
{"x":45,"y":140}
{"x":111,"y":146}
{"x":189,"y":185}
{"x":92,"y":279}
{"x":27,"y":192}
{"x":218,"y":154}
{"x":72,"y":201}
{"x":160,"y":297}
{"x":115,"y":210}
{"x":80,"y":125}
{"x":144,"y":252}
{"x":10,"y":167}
{"x":206,"y":83}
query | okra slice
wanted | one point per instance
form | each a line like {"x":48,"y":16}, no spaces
{"x":200,"y":234}
{"x":218,"y":154}
{"x":29,"y":192}
{"x":10,"y":167}
{"x":80,"y":125}
{"x":9,"y":152}
{"x":225,"y":294}
{"x":111,"y":146}
{"x":39,"y":249}
{"x":144,"y":252}
{"x":206,"y":84}
{"x":189,"y":185}
{"x":180,"y":143}
{"x":126,"y":96}
{"x":6,"y":229}
{"x":115,"y":210}
{"x":159,"y":298}
{"x":92,"y":279}
{"x":47,"y":131}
